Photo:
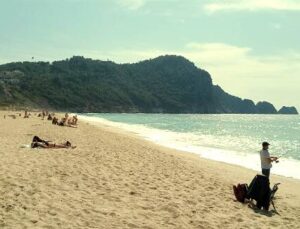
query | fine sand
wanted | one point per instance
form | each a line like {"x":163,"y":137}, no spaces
{"x":116,"y":180}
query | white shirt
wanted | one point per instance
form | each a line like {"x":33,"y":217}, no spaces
{"x":265,"y":163}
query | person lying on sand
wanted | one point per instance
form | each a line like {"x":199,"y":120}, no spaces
{"x":39,"y":143}
{"x":70,"y":125}
{"x":12,"y":116}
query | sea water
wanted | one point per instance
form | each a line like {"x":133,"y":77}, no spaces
{"x":230,"y":138}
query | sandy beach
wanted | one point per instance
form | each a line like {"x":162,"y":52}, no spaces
{"x":117,"y":180}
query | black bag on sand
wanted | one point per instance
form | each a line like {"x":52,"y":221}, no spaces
{"x":259,"y":190}
{"x":240,"y":192}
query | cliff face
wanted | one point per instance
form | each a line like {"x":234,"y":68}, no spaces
{"x":288,"y":110}
{"x":265,"y":108}
{"x":226,"y":103}
{"x":169,"y":84}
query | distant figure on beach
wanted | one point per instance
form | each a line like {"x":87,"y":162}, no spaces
{"x":55,"y":121}
{"x":49,"y":117}
{"x":43,"y":114}
{"x":266,"y":159}
{"x":40,"y":143}
{"x":62,"y":122}
{"x":26,"y":114}
{"x":73,"y":120}
{"x":12,"y":116}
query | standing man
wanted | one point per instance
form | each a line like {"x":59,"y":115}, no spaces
{"x":266,"y":159}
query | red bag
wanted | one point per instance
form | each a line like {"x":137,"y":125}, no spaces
{"x":240,"y":192}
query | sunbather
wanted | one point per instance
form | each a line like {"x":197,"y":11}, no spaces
{"x":39,"y":143}
{"x":66,"y":122}
{"x":55,"y":121}
{"x":49,"y":117}
{"x":73,"y":121}
{"x":12,"y":116}
{"x":62,"y":122}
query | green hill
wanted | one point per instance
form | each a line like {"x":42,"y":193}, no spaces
{"x":169,"y":84}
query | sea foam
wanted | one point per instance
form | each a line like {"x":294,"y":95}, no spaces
{"x":189,"y":142}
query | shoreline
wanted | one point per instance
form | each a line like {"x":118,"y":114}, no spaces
{"x":117,"y":180}
{"x":214,"y":154}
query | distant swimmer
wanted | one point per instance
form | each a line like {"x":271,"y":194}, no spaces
{"x":266,"y":159}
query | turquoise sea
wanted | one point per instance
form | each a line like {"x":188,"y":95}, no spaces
{"x":231,"y":138}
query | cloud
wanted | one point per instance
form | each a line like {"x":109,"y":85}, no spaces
{"x":215,"y":52}
{"x":222,"y":60}
{"x":251,"y":5}
{"x":132,"y":4}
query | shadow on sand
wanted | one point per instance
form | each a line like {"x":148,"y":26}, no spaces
{"x":261,"y":211}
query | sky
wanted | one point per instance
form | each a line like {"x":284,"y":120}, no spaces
{"x":251,"y":48}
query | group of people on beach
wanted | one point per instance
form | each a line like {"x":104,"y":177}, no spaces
{"x":37,"y":142}
{"x":71,"y":121}
{"x":68,"y":121}
{"x":14,"y":116}
{"x":65,"y":121}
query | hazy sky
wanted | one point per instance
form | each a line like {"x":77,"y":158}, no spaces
{"x":250,"y":47}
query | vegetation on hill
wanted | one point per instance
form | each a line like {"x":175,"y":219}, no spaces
{"x":288,"y":110}
{"x":169,"y":84}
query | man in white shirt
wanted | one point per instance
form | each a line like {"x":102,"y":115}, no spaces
{"x":266,"y":159}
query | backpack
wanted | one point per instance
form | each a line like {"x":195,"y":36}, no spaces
{"x":240,"y":192}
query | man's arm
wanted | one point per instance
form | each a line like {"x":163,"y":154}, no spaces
{"x":268,"y":157}
{"x":273,"y":158}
